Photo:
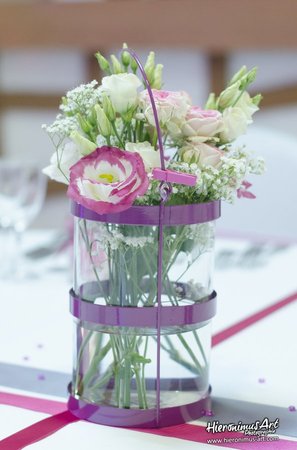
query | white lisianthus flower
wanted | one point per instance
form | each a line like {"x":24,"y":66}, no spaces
{"x":122,"y":90}
{"x":150,"y":156}
{"x":235,"y":123}
{"x":245,"y":103}
{"x":201,"y":154}
{"x":61,"y":161}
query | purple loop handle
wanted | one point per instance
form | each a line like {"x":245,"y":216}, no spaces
{"x":143,"y":317}
{"x":150,"y":92}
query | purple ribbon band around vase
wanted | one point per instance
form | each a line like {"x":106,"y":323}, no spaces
{"x":142,"y":316}
{"x":150,"y":215}
{"x":120,"y":417}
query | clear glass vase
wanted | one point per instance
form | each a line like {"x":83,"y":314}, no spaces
{"x":133,"y":362}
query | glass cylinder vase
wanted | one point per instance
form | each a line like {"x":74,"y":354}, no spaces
{"x":142,"y":303}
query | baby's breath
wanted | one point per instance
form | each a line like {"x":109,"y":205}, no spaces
{"x":81,"y":99}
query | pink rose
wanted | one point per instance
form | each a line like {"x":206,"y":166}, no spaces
{"x":171,"y":106}
{"x":201,"y":123}
{"x":201,"y":154}
{"x":108,"y":180}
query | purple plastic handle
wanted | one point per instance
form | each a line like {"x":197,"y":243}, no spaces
{"x":122,"y":316}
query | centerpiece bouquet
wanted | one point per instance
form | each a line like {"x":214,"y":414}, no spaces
{"x":146,"y":170}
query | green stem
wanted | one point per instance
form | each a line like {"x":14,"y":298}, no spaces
{"x":143,"y":374}
{"x":79,"y":358}
{"x":190,"y":351}
{"x":117,"y":135}
{"x":85,"y":237}
{"x":94,"y":364}
{"x":139,"y":388}
{"x":200,"y":346}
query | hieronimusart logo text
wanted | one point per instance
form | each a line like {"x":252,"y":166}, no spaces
{"x":259,"y":427}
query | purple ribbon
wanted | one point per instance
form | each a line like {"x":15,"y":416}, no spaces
{"x":143,"y":317}
{"x":145,"y":418}
{"x":149,"y":215}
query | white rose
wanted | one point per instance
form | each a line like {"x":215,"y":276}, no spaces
{"x":171,"y":106}
{"x":150,"y":156}
{"x":122,"y":90}
{"x":246,"y":104}
{"x":202,"y":123}
{"x":201,"y":154}
{"x":61,"y":161}
{"x":235,"y":123}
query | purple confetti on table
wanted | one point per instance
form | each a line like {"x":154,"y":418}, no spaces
{"x":261,"y":380}
{"x":26,"y":358}
{"x":39,"y":345}
{"x":292,"y":408}
{"x":209,"y":413}
{"x":41,"y":377}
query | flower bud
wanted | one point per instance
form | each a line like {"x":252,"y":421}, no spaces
{"x":248,"y":79}
{"x":84,"y":124}
{"x":103,"y":63}
{"x":149,"y":67}
{"x":104,"y":125}
{"x":157,"y":83}
{"x":229,"y":95}
{"x":85,"y":146}
{"x":108,"y":108}
{"x":133,"y":65}
{"x":116,"y":65}
{"x":92,"y":118}
{"x":189,"y":155}
{"x":238,"y":75}
{"x":211,"y":101}
{"x":125,"y":56}
{"x":128,"y":115}
{"x":257,"y":99}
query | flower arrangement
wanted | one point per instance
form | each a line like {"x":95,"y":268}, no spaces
{"x":117,"y":115}
{"x":107,"y":150}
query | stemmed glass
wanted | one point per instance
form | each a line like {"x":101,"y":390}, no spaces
{"x":22,"y":192}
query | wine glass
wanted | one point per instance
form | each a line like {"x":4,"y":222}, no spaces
{"x":22,"y":193}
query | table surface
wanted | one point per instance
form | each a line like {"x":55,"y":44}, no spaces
{"x":253,"y":364}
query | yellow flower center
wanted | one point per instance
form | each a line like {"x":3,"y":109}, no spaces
{"x":107,"y":177}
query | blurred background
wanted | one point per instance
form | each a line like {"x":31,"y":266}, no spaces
{"x":47,"y":47}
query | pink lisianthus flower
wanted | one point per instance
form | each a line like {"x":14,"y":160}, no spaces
{"x":108,"y":180}
{"x":202,"y":124}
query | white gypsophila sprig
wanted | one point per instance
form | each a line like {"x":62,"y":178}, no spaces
{"x":61,"y":127}
{"x":255,"y":164}
{"x":81,"y":99}
{"x":114,"y":239}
